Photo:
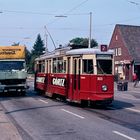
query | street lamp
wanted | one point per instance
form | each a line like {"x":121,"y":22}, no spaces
{"x":90,"y":27}
{"x":63,"y":16}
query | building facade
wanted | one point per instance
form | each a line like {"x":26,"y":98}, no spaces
{"x":125,"y":42}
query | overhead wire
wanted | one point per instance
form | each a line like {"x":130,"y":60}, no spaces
{"x":69,"y":14}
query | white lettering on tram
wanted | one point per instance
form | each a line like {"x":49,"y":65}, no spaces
{"x":58,"y":82}
{"x":100,"y":78}
{"x":40,"y":79}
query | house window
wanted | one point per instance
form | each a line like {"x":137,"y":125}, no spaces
{"x":116,"y":52}
{"x":116,"y":37}
{"x":119,"y":51}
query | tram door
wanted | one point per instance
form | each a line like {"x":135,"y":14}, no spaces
{"x":76,"y":78}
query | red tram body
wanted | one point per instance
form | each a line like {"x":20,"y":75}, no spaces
{"x":79,"y":75}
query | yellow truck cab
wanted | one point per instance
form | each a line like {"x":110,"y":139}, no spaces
{"x":13,"y":72}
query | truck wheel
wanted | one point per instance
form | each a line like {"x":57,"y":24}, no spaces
{"x":23,"y":93}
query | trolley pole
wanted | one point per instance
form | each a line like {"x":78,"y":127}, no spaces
{"x":90,"y":28}
{"x":50,"y":36}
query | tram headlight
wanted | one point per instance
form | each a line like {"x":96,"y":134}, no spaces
{"x":104,"y":88}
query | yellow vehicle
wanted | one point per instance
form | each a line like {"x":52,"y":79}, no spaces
{"x":13,"y":72}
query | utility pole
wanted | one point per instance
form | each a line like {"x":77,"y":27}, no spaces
{"x":46,"y":41}
{"x":90,"y":28}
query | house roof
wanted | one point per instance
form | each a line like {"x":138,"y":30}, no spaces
{"x":131,"y":38}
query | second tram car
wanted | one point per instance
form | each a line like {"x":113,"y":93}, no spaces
{"x":79,"y":75}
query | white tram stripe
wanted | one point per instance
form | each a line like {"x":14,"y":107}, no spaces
{"x":43,"y":101}
{"x":134,"y":110}
{"x":73,"y":113}
{"x":123,"y":135}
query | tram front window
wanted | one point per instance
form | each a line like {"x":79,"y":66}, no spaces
{"x":104,"y":66}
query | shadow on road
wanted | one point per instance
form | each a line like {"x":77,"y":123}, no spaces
{"x":11,"y":95}
{"x":32,"y":108}
{"x":116,"y":105}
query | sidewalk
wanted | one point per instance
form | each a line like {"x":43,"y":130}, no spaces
{"x":7,"y":130}
{"x":130,"y":87}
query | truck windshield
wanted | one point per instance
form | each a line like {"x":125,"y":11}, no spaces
{"x":104,"y":66}
{"x":11,"y":65}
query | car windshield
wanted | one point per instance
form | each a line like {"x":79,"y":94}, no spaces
{"x":11,"y":65}
{"x":104,"y":66}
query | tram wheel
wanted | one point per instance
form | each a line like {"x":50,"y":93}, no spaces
{"x":84,"y":103}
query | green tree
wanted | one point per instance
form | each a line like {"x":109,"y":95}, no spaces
{"x":83,"y":42}
{"x":27,"y":57}
{"x":38,"y":47}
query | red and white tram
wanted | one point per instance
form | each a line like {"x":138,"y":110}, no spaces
{"x":79,"y":75}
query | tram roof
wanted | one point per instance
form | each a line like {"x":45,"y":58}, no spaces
{"x":82,"y":51}
{"x":88,"y":51}
{"x":55,"y":53}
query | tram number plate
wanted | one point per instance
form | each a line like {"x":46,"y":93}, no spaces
{"x":100,"y":78}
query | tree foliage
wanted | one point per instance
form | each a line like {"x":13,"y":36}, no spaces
{"x":27,"y":57}
{"x":83,"y":42}
{"x":38,"y":49}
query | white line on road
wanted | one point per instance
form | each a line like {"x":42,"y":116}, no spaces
{"x":123,"y":135}
{"x":134,"y":110}
{"x":73,"y":113}
{"x":43,"y":101}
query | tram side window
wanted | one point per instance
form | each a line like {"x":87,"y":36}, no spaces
{"x":50,"y":69}
{"x":39,"y":67}
{"x":43,"y":67}
{"x":64,"y":68}
{"x":46,"y":67}
{"x":54,"y":65}
{"x":59,"y":66}
{"x":88,"y":66}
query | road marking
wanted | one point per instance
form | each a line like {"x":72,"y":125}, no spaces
{"x":73,"y":113}
{"x":134,"y":110}
{"x":123,"y":135}
{"x":43,"y":101}
{"x":131,"y":109}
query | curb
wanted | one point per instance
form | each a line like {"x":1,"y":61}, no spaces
{"x":7,"y":130}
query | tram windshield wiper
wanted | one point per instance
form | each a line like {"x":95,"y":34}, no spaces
{"x":104,"y":67}
{"x":99,"y":69}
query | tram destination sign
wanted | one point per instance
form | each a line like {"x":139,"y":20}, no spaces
{"x":104,"y":56}
{"x":40,"y":79}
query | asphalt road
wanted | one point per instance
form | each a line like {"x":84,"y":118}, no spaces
{"x":40,"y":118}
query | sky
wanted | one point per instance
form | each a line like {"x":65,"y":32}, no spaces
{"x":62,"y":20}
